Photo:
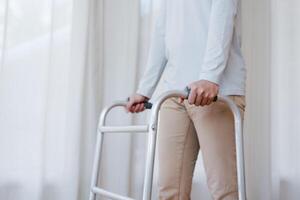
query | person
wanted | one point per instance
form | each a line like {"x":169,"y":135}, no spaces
{"x":195,"y":43}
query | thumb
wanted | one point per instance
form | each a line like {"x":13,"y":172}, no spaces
{"x":129,"y":104}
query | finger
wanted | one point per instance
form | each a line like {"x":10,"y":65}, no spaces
{"x":198,"y":100}
{"x":210,"y":100}
{"x":204,"y":101}
{"x":141,"y":107}
{"x":137,"y":107}
{"x":192,"y":97}
{"x":129,"y":105}
{"x":132,"y":108}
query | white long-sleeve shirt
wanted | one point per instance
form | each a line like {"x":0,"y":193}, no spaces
{"x":195,"y":40}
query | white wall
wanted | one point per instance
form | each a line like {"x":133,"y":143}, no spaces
{"x":271,"y":45}
{"x":256,"y":34}
{"x":285,"y":98}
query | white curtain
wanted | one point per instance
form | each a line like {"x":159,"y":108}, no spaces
{"x":50,"y":95}
{"x":61,"y":62}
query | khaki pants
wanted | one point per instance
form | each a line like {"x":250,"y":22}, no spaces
{"x":184,"y":129}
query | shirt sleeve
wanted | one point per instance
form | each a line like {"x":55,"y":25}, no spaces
{"x":220,"y":32}
{"x":156,"y":58}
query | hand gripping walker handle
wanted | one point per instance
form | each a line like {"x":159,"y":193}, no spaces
{"x":148,"y":105}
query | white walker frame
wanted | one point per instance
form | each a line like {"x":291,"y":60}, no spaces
{"x":151,"y":128}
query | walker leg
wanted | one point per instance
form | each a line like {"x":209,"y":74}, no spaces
{"x":150,"y":162}
{"x":239,"y":143}
{"x":240,"y":159}
{"x":95,"y":172}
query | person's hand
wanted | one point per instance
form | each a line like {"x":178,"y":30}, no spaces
{"x":202,"y":92}
{"x":136,"y":103}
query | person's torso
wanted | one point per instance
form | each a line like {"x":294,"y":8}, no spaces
{"x":187,"y":26}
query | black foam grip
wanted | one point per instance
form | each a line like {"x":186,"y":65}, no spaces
{"x":147,"y":105}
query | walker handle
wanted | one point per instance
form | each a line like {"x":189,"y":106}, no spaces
{"x":148,"y":105}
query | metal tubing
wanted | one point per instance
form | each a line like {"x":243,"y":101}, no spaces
{"x":98,"y":146}
{"x":110,"y":194}
{"x":124,"y":129}
{"x":95,"y":172}
{"x":239,"y":143}
{"x":152,"y":140}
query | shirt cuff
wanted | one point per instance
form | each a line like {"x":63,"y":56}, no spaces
{"x":144,"y":92}
{"x":210,"y":77}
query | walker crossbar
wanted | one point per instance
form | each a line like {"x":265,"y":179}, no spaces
{"x":151,"y":128}
{"x":124,"y":129}
{"x":111,"y":195}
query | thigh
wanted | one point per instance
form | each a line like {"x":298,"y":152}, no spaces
{"x":177,"y":151}
{"x":215,"y":128}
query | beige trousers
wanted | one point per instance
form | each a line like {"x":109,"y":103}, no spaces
{"x":183,"y":129}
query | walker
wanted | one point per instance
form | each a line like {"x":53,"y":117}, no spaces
{"x":151,"y":129}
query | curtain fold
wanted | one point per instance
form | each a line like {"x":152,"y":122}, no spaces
{"x":50,"y":98}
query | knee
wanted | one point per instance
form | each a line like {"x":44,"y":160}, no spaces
{"x":224,"y":192}
{"x":171,"y":189}
{"x":169,"y":193}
